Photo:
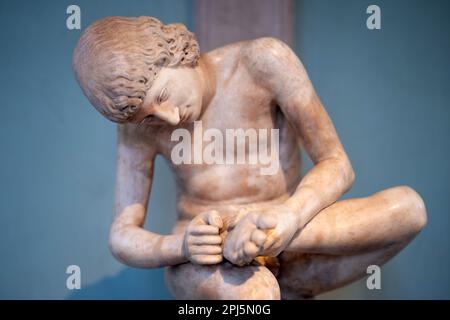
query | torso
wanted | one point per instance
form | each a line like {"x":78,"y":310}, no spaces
{"x":235,"y":106}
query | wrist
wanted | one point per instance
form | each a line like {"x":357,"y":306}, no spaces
{"x":303,"y":204}
{"x":173,"y":246}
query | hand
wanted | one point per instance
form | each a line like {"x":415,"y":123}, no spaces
{"x":267,"y":232}
{"x":202,"y":242}
{"x":286,"y":226}
{"x":246,"y":240}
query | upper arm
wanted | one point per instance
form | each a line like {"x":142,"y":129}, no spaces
{"x":135,"y":161}
{"x":275,"y":66}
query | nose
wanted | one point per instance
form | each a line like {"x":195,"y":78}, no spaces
{"x":164,"y":111}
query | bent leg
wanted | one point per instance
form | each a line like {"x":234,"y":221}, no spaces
{"x":357,"y":226}
{"x":338,"y":245}
{"x":304,"y":275}
{"x":222,"y":281}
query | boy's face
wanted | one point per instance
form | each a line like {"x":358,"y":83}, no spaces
{"x":175,"y":97}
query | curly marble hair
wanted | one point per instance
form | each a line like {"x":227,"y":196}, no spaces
{"x":117,"y":59}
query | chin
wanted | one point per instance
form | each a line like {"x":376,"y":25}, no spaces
{"x":190,"y":116}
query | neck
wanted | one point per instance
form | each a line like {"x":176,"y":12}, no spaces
{"x":208,"y":79}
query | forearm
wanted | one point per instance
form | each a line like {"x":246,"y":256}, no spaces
{"x":321,"y":187}
{"x":131,"y":244}
{"x":140,"y":248}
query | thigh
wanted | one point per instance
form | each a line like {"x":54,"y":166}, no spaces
{"x":356,"y":226}
{"x":222,"y":281}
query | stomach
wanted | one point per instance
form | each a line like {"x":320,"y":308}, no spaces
{"x":230,"y":188}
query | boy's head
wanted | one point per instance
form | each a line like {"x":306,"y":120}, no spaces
{"x":132,"y":69}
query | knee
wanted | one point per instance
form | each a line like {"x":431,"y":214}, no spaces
{"x":247,"y":283}
{"x":409,"y":206}
{"x":262,"y":286}
{"x":222,"y":282}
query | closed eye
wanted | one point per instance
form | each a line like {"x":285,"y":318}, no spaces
{"x":163,"y":96}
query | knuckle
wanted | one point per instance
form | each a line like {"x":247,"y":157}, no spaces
{"x":227,"y":255}
{"x":206,"y":215}
{"x":253,"y":215}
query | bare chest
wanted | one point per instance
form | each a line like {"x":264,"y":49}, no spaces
{"x":240,"y":150}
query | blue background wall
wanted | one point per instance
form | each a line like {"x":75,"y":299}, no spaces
{"x":387,"y":92}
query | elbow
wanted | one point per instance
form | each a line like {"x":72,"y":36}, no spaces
{"x":122,"y":234}
{"x":116,"y":246}
{"x":350,"y":175}
{"x":130,"y":247}
{"x":347,"y":174}
{"x":119,"y":244}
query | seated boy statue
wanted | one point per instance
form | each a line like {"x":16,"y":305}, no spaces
{"x":240,"y":234}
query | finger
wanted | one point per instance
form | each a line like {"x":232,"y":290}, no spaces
{"x":266,"y":222}
{"x":214,"y":219}
{"x":250,"y":250}
{"x":205,"y":250}
{"x":206,"y":259}
{"x":211,"y":240}
{"x":202,"y":218}
{"x":239,"y":259}
{"x":244,"y":257}
{"x":229,"y":254}
{"x":204,"y":230}
{"x":270,"y":241}
{"x":258,"y":237}
{"x":240,"y":254}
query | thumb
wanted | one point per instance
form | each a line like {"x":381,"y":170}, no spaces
{"x":214,"y":219}
{"x":266,"y":222}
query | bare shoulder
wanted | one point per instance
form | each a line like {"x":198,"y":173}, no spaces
{"x":266,"y":54}
{"x":142,"y":138}
{"x":274,"y":65}
{"x":267,"y":47}
{"x":226,"y":58}
{"x":269,"y":61}
{"x":269,"y":56}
